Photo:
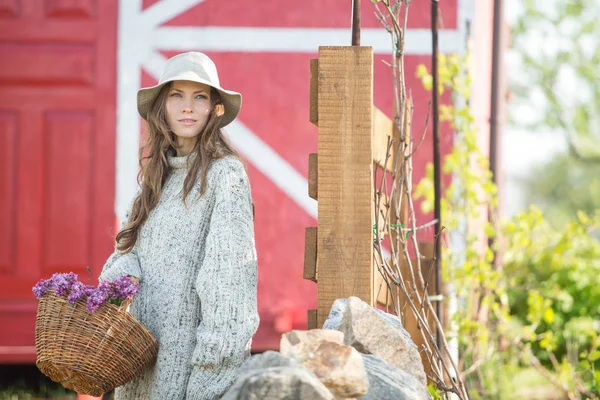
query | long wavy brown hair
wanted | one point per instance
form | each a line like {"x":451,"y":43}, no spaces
{"x":161,"y":142}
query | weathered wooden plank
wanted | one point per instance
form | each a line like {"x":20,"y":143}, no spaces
{"x":383,"y":128}
{"x":409,"y":320}
{"x":312,"y":319}
{"x":314,"y":91}
{"x":313,"y":176}
{"x":407,"y":132}
{"x":310,"y":254}
{"x":345,"y":169}
{"x":383,"y":294}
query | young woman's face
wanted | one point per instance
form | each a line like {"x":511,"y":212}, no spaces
{"x":188,"y":107}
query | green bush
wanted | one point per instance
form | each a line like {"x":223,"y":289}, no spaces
{"x":533,"y":312}
{"x":554,"y":290}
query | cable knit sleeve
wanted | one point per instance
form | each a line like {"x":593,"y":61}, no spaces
{"x":227,"y":288}
{"x":119,"y":264}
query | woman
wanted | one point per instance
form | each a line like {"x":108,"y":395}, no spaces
{"x":188,"y":238}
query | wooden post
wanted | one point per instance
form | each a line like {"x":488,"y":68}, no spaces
{"x":352,"y":135}
{"x":345,"y":176}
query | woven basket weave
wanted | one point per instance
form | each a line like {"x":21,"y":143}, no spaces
{"x":90,"y":352}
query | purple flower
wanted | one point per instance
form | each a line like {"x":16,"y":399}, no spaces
{"x":97,"y":298}
{"x":62,"y":283}
{"x":79,"y":291}
{"x":114,"y":292}
{"x":67,"y":285}
{"x":124,"y":288}
{"x":42,"y":287}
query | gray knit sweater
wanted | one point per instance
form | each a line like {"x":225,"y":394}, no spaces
{"x":198,"y":272}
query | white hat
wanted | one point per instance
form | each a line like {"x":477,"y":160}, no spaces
{"x":196,"y":67}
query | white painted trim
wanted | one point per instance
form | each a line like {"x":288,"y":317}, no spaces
{"x":154,"y":63}
{"x":165,"y":10}
{"x":272,"y":165}
{"x":292,"y":40}
{"x":128,"y":126}
{"x":466,"y":13}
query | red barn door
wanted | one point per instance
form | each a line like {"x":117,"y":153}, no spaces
{"x":57,"y":151}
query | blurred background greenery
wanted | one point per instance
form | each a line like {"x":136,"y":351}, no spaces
{"x":528,"y":320}
{"x":554,"y":77}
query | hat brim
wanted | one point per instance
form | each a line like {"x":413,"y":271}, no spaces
{"x":232,"y":101}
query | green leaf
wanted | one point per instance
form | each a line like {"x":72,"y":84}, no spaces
{"x":422,"y":71}
{"x":583,"y":218}
{"x":583,"y":365}
{"x":594,"y":355}
{"x":590,"y":26}
{"x":549,"y":315}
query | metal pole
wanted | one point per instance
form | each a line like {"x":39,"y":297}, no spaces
{"x":496,"y":108}
{"x":436,"y":163}
{"x":355,"y":22}
{"x":496,"y":95}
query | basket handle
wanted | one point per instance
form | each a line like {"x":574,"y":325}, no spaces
{"x":125,"y":305}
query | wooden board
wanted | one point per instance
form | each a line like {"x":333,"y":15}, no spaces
{"x":409,"y":320}
{"x":345,"y":169}
{"x":313,"y":176}
{"x":310,"y":254}
{"x":312,"y":319}
{"x":314,"y":91}
{"x":383,"y":130}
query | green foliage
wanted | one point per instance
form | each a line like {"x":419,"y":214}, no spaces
{"x":25,"y":381}
{"x":436,"y":394}
{"x":563,"y":186}
{"x":471,"y":192}
{"x":19,"y":392}
{"x":554,"y":288}
{"x":546,"y":295}
{"x":550,"y":72}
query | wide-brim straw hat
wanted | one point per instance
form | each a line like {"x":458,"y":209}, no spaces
{"x":196,"y":67}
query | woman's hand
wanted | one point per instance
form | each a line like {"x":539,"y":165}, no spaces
{"x":134,"y":280}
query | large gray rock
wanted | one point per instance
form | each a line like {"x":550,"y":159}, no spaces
{"x":266,"y":360}
{"x":338,"y":366}
{"x":372,"y":331}
{"x":278,"y":383}
{"x":388,"y":382}
{"x":338,"y":310}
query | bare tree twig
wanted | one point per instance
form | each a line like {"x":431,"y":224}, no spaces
{"x":424,"y":131}
{"x":409,"y":282}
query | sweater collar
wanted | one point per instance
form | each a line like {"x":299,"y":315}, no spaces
{"x":181,"y":162}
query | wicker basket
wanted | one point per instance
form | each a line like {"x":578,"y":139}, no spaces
{"x":90,"y":352}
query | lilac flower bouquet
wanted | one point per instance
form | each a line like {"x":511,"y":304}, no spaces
{"x":67,"y":285}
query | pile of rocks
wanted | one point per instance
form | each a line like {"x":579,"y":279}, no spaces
{"x":361,"y":353}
